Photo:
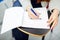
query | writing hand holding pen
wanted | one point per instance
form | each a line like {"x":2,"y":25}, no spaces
{"x":32,"y":13}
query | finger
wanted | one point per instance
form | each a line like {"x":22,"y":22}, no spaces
{"x":32,"y":15}
{"x":37,"y":12}
{"x":34,"y":12}
{"x":30,"y":12}
{"x":49,"y":19}
{"x":54,"y":24}
{"x":50,"y":22}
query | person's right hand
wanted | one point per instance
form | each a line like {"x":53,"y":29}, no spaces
{"x":31,"y":14}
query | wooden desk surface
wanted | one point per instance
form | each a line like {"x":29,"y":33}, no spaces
{"x":34,"y":31}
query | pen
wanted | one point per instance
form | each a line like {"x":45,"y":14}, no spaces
{"x":33,"y":11}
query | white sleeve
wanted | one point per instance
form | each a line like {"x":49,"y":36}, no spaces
{"x":25,"y":3}
{"x":54,"y":4}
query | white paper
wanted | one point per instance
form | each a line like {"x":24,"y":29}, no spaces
{"x":37,"y":23}
{"x":16,"y":17}
{"x":12,"y":18}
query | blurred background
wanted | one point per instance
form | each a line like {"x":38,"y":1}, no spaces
{"x":8,"y":35}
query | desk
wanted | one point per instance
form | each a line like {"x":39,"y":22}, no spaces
{"x":34,"y":31}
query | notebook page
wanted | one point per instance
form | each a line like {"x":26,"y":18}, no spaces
{"x":37,"y":23}
{"x":12,"y":18}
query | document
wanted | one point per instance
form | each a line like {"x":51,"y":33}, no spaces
{"x":12,"y":18}
{"x":37,"y":23}
{"x":17,"y":16}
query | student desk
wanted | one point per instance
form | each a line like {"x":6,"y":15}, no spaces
{"x":34,"y":31}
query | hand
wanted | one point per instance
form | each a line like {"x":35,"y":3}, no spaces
{"x":31,"y":14}
{"x":53,"y":18}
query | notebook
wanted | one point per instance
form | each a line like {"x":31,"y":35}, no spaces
{"x":36,"y":23}
{"x":17,"y":16}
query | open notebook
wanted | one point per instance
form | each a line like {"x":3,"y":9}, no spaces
{"x":17,"y":16}
{"x":36,"y":23}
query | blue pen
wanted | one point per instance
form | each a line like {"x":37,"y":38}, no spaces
{"x":33,"y":11}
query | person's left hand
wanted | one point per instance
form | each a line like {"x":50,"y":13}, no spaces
{"x":53,"y":18}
